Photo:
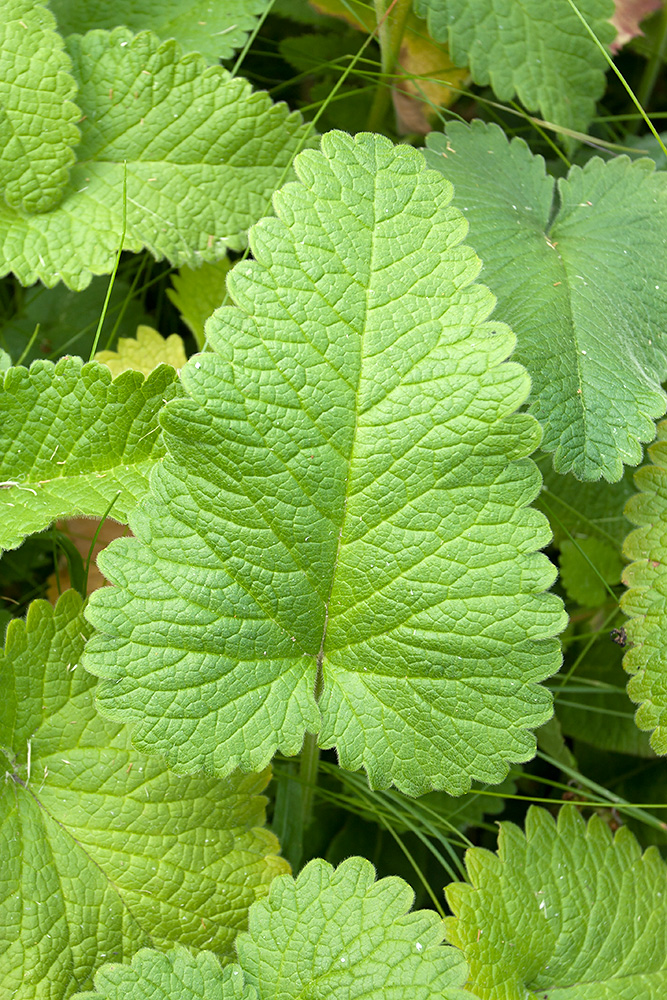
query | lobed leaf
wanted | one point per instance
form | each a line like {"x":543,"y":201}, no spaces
{"x":537,"y":49}
{"x":72,"y":440}
{"x":329,"y":932}
{"x":197,"y":293}
{"x":581,"y":284}
{"x":645,"y":601}
{"x":104,"y":851}
{"x":38,"y":116}
{"x":144,"y":353}
{"x":340,"y":541}
{"x":563,"y":911}
{"x":216,"y":30}
{"x":199,"y":152}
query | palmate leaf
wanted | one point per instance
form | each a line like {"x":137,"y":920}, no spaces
{"x":328,"y":933}
{"x":72,"y":440}
{"x":38,"y":115}
{"x":201,"y":155}
{"x":583,"y":287}
{"x":104,"y":851}
{"x":563,"y":912}
{"x":645,"y":601}
{"x":216,"y":29}
{"x":340,"y":542}
{"x":144,"y":353}
{"x":537,"y":49}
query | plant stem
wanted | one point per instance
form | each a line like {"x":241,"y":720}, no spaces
{"x":310,"y":762}
{"x":652,"y":68}
{"x":391,"y":19}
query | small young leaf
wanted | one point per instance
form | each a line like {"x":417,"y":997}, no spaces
{"x":174,"y":975}
{"x":646,"y":598}
{"x":144,"y":352}
{"x":104,"y":851}
{"x":38,"y":115}
{"x":344,"y":508}
{"x":585,"y":566}
{"x":583,"y":288}
{"x":216,"y":30}
{"x":71,"y":440}
{"x":563,"y":911}
{"x":198,"y":292}
{"x":538,"y":49}
{"x":200,"y":152}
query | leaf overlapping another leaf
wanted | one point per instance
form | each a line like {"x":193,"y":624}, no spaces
{"x":581,"y":285}
{"x":200,"y":152}
{"x":38,"y":115}
{"x":344,"y":509}
{"x":328,"y":933}
{"x":72,"y":440}
{"x":216,"y":30}
{"x":563,"y":911}
{"x":645,"y":601}
{"x":104,"y":851}
{"x":537,"y":49}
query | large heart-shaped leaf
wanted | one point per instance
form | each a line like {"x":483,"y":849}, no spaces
{"x":102,"y":850}
{"x":581,"y":281}
{"x":340,"y":541}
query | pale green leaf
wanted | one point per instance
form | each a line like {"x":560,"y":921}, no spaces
{"x":144,"y":352}
{"x":198,"y":292}
{"x":536,"y":49}
{"x":563,"y":912}
{"x":72,"y":440}
{"x":645,"y":601}
{"x":340,"y":541}
{"x":38,"y":115}
{"x":582,"y":284}
{"x":216,"y":28}
{"x":586,"y":565}
{"x":329,"y":933}
{"x":174,"y":975}
{"x":104,"y":851}
{"x":201,"y":154}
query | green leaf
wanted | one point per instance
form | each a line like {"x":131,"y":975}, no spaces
{"x":104,"y":851}
{"x":645,"y":601}
{"x":201,"y":153}
{"x":144,"y":352}
{"x":536,"y":49}
{"x":329,"y":933}
{"x":198,"y":292}
{"x":585,"y":567}
{"x":176,"y":975}
{"x":38,"y":115}
{"x":582,"y":285}
{"x":216,"y":30}
{"x":344,"y":508}
{"x":72,"y":440}
{"x":68,"y":320}
{"x":561,"y":912}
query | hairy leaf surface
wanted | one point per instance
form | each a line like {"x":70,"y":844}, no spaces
{"x":582,"y":286}
{"x":104,"y":851}
{"x":216,"y":29}
{"x":144,"y":352}
{"x":38,"y":115}
{"x":72,"y":439}
{"x":328,"y":933}
{"x":200,"y":152}
{"x":339,"y":542}
{"x":646,"y":598}
{"x":563,"y":912}
{"x":536,"y":49}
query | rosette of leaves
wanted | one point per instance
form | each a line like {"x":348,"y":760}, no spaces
{"x":176,"y":157}
{"x":562,"y":911}
{"x":330,"y":932}
{"x":340,"y":541}
{"x":103,"y":850}
{"x":645,"y":601}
